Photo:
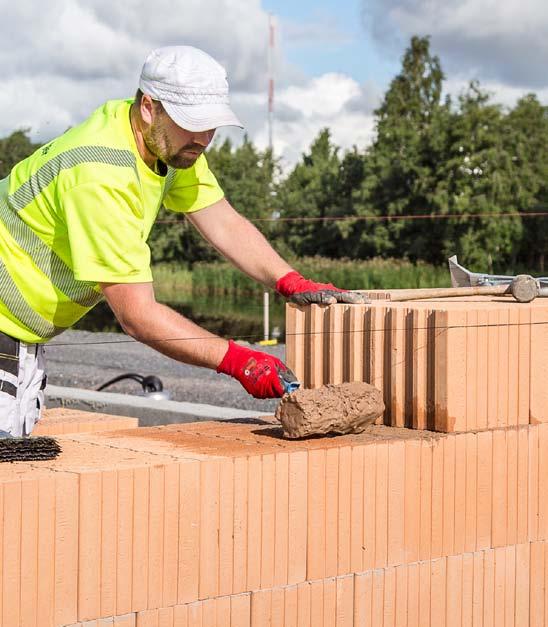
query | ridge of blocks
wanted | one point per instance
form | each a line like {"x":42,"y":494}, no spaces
{"x":134,"y":524}
{"x":446,"y":365}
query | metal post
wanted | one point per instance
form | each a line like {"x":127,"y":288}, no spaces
{"x":266,"y":316}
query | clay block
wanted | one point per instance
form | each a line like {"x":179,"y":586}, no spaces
{"x":291,"y":603}
{"x":356,"y":510}
{"x":454,"y":591}
{"x":126,"y":620}
{"x":124,"y":542}
{"x":448,"y":365}
{"x":314,"y":330}
{"x":296,"y":339}
{"x":381,"y":506}
{"x":510,"y":584}
{"x":355,"y":353}
{"x":170,"y":549}
{"x":268,"y":496}
{"x":46,"y":549}
{"x":165,"y":617}
{"x":344,"y":612}
{"x":189,"y":531}
{"x":401,"y":596}
{"x":538,"y":410}
{"x":467,"y":588}
{"x":489,"y":588}
{"x":240,"y":610}
{"x":413,"y":595}
{"x":336,"y":343}
{"x":331,"y":511}
{"x":11,"y":564}
{"x":316,"y":515}
{"x":303,"y":605}
{"x":59,"y":421}
{"x":460,"y":493}
{"x":66,"y":549}
{"x":254,"y":507}
{"x":89,"y":573}
{"x":29,"y":552}
{"x":345,"y":408}
{"x":297,"y":523}
{"x":281,"y":513}
{"x":363,"y":595}
{"x":240,"y":525}
{"x":396,"y":502}
{"x":109,"y":502}
{"x":226,"y":526}
{"x":277,"y":612}
{"x":141,"y":491}
{"x":156,"y":536}
{"x":369,"y":512}
{"x":329,"y":602}
{"x":344,"y":508}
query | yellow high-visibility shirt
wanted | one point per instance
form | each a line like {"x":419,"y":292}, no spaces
{"x":77,"y":213}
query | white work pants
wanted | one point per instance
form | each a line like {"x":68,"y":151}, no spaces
{"x":22,"y":382}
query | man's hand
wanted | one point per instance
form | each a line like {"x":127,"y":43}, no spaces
{"x":301,"y":291}
{"x":262,"y":375}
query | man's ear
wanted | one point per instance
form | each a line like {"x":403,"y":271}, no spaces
{"x":147,"y":109}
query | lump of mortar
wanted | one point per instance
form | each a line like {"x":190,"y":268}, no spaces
{"x":341,"y":408}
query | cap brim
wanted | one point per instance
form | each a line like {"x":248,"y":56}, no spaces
{"x":203,"y":117}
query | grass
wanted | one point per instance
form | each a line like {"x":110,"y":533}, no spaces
{"x":346,"y":273}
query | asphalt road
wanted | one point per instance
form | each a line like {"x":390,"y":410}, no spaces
{"x":86,"y":360}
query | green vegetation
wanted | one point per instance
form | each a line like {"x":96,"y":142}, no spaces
{"x":219,"y":278}
{"x":443,"y":176}
{"x":172,"y":283}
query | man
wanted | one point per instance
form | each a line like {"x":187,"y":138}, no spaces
{"x":75,"y":217}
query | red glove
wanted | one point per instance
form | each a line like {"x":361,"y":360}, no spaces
{"x":299,"y":290}
{"x":261,"y":374}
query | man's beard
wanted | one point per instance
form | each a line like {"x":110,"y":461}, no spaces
{"x":159,"y":145}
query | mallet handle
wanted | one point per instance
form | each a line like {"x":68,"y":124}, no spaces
{"x":448,"y":292}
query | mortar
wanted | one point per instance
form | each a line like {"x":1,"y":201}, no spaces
{"x":334,"y":408}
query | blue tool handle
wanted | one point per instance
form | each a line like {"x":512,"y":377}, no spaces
{"x":290,"y":386}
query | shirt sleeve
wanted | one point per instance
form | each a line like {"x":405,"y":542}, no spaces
{"x":106,"y":235}
{"x":193,"y":189}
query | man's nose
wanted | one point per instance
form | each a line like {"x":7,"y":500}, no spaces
{"x":203,"y":138}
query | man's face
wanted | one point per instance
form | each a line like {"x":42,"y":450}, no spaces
{"x":173,"y":145}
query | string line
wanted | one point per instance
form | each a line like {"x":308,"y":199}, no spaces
{"x":308,"y":333}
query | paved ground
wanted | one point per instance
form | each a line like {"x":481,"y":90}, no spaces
{"x":86,"y":360}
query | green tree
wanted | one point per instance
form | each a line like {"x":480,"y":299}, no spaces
{"x":527,"y":140}
{"x":481,"y":177}
{"x":403,"y":161}
{"x":317,"y":189}
{"x":246,"y":176}
{"x":13,"y":149}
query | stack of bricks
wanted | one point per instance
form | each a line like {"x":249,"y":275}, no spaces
{"x":446,"y":365}
{"x":61,"y":420}
{"x":227,"y":524}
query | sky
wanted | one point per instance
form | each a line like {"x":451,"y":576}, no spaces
{"x":60,"y":59}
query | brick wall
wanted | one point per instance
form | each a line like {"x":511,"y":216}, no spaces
{"x":445,"y":365}
{"x":225,"y":524}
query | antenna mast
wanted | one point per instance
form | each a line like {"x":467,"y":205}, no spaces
{"x":271,"y":44}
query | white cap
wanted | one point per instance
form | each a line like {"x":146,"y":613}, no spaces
{"x":191,"y":86}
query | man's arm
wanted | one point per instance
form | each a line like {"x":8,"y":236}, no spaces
{"x":148,"y":321}
{"x":243,"y":245}
{"x":240,"y":242}
{"x":162,"y":328}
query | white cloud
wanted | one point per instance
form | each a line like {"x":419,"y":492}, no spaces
{"x":59,"y":64}
{"x":335,"y":101}
{"x":500,"y":93}
{"x":502,"y":40}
